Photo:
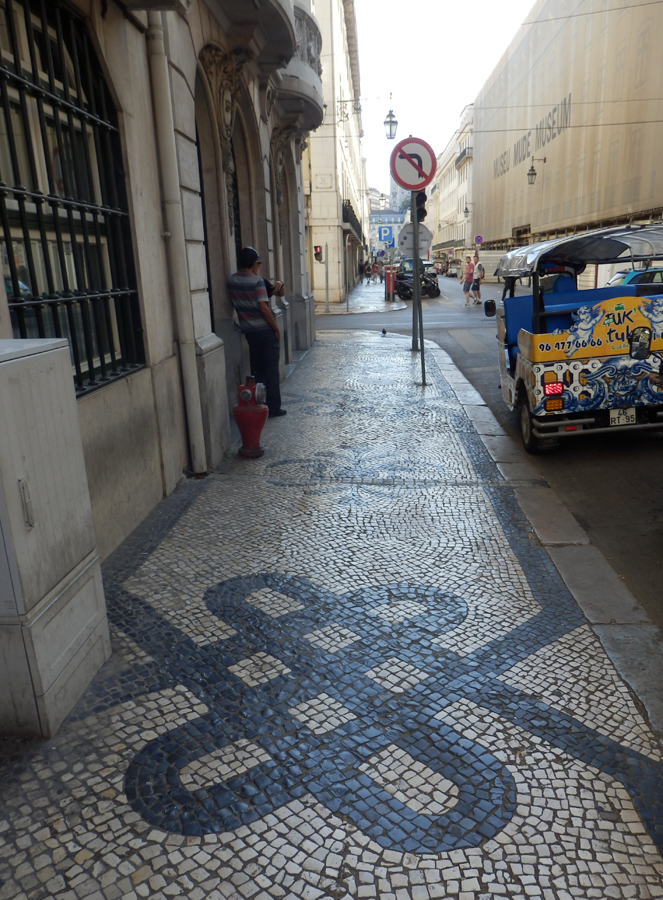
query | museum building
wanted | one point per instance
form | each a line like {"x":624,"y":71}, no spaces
{"x":567,"y":128}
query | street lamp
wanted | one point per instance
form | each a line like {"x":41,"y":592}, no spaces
{"x":466,"y":211}
{"x":531,"y":172}
{"x":390,"y":124}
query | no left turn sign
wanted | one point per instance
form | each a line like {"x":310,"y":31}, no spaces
{"x":413,"y":164}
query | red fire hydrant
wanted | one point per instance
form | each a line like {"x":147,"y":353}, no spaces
{"x":251,"y":414}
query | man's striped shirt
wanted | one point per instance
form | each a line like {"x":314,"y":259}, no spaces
{"x":246,"y":292}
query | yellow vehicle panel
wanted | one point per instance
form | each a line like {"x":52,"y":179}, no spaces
{"x":600,"y":330}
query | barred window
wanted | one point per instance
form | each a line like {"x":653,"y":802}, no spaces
{"x":65,"y":242}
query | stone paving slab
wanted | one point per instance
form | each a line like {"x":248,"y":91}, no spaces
{"x":348,"y":669}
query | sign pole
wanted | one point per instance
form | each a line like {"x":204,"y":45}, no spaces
{"x":416,"y":283}
{"x":415,"y":275}
{"x":326,"y":278}
{"x":413,"y":164}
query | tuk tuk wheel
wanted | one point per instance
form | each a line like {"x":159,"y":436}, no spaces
{"x":527,"y":429}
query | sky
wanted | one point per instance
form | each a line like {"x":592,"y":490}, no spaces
{"x":434,"y":58}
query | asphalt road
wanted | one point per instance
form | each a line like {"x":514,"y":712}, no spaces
{"x":613,"y":484}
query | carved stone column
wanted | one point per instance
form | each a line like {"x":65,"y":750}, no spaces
{"x":281,"y":138}
{"x":223,"y":73}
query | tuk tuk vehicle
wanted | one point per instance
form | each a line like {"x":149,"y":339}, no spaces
{"x":581,"y":361}
{"x":454,"y":268}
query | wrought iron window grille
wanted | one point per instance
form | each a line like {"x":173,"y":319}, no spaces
{"x":65,"y":245}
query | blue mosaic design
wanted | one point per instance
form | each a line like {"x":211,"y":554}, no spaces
{"x":328,"y":766}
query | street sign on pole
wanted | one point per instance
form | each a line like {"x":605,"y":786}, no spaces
{"x":417,"y":310}
{"x":478,"y":239}
{"x":406,"y":239}
{"x":413,"y":164}
{"x":386,"y":235}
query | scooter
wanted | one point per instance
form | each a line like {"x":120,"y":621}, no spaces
{"x":429,"y":287}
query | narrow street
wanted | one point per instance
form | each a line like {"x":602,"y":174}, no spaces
{"x":348,"y":669}
{"x":613,"y":485}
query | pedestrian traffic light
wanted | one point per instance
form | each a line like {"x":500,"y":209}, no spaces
{"x":420,"y":202}
{"x":318,"y":252}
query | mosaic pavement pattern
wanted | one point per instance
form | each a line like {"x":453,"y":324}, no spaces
{"x":344,"y":670}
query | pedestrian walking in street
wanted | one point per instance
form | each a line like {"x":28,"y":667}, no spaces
{"x":478,"y":278}
{"x":368,"y":269}
{"x":249,"y":295}
{"x":381,"y":273}
{"x":468,"y":278}
{"x":376,"y":269}
{"x":361,"y":272}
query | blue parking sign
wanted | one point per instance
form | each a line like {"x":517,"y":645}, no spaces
{"x":386,"y":235}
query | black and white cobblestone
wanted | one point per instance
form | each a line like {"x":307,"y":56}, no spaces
{"x":345,"y":670}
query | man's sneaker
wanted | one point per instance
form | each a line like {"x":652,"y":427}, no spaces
{"x":275,"y":413}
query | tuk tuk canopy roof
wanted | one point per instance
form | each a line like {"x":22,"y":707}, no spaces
{"x":605,"y":245}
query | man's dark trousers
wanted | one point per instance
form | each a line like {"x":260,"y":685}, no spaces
{"x":264,"y":349}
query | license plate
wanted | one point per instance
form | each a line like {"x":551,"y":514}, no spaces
{"x":622,"y":416}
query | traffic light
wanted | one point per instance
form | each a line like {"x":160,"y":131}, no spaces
{"x":318,"y":252}
{"x":420,"y":202}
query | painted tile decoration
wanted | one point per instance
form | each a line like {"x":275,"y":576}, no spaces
{"x":238,"y":743}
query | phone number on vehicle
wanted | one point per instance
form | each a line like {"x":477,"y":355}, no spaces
{"x":571,"y":345}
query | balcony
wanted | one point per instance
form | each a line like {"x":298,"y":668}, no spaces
{"x":350,"y":219}
{"x":267,"y":28}
{"x":300,"y":91}
{"x":463,"y":157}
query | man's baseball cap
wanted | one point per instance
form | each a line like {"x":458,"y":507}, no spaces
{"x":248,"y":257}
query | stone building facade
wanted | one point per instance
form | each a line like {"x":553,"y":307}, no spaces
{"x":148,"y":141}
{"x":451,"y":194}
{"x":338,"y":197}
{"x":576,"y":98}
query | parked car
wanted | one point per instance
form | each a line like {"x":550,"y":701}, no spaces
{"x":636,"y":276}
{"x":454,"y":268}
{"x":23,"y":288}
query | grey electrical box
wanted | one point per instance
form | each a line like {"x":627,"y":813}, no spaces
{"x":53,"y":627}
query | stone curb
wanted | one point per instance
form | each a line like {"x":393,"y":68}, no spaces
{"x":628,"y":636}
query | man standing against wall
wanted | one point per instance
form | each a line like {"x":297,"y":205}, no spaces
{"x":249,"y":296}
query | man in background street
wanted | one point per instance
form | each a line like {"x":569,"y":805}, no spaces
{"x":249,"y":295}
{"x":478,"y":278}
{"x":468,"y":278}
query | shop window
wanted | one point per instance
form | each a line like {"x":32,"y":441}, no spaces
{"x":65,"y":241}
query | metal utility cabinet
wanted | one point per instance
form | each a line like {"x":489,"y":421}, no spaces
{"x":53,"y":627}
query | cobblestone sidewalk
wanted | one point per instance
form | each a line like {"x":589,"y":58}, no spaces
{"x":364,"y":298}
{"x":345,"y":670}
